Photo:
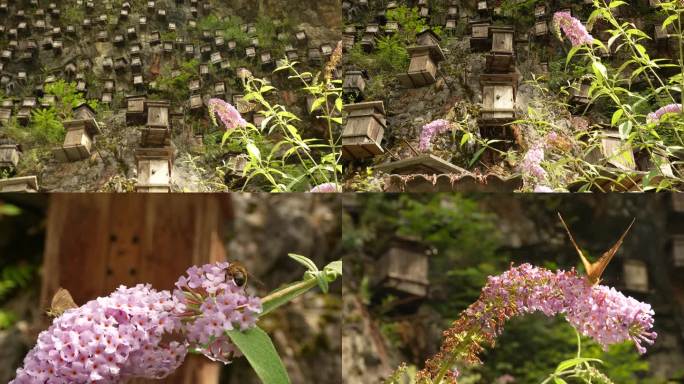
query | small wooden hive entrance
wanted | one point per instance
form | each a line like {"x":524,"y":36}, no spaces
{"x":502,"y":55}
{"x":498,"y":99}
{"x":364,"y":130}
{"x":156,"y":132}
{"x":154,"y":169}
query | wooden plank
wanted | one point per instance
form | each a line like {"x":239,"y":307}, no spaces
{"x":76,"y":242}
{"x":123,"y":257}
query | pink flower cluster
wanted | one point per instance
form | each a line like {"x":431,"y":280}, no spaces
{"x":429,"y":131}
{"x":108,"y":340}
{"x":140,"y":332}
{"x":212,"y":303}
{"x":325,"y":188}
{"x":531,"y":163}
{"x":597,"y":311}
{"x":654,"y":117}
{"x":572,"y":28}
{"x":229,"y":115}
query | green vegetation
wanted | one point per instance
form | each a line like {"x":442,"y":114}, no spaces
{"x":410,"y":21}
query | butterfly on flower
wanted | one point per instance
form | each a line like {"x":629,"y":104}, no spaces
{"x":61,"y":302}
{"x":595,"y":269}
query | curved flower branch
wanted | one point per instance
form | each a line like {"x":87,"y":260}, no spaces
{"x":597,"y":311}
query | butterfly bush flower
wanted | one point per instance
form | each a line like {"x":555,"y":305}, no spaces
{"x":325,"y":188}
{"x":211,"y":303}
{"x":573,"y":29}
{"x":228,"y":114}
{"x":108,"y":340}
{"x":140,"y":332}
{"x":654,"y":117}
{"x":531,"y":163}
{"x":429,"y":131}
{"x":597,"y":311}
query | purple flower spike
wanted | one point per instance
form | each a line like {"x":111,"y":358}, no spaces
{"x":597,"y":311}
{"x":326,"y":188}
{"x":229,"y":115}
{"x":573,"y":29}
{"x":430,"y":131}
{"x":654,"y":117}
{"x":140,"y":332}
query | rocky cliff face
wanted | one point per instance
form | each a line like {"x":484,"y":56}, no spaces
{"x":179,"y":51}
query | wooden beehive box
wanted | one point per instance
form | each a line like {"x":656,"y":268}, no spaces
{"x":364,"y":130}
{"x":78,"y":141}
{"x":354,"y":82}
{"x":616,"y":152}
{"x":479,"y":36}
{"x":83,"y":111}
{"x":635,"y":275}
{"x":154,"y":169}
{"x":579,"y":93}
{"x":502,"y":55}
{"x":157,"y":130}
{"x":541,"y":29}
{"x":19,"y":184}
{"x":196,"y":102}
{"x":132,"y":239}
{"x":403,"y":269}
{"x":135,"y":110}
{"x":5,"y":115}
{"x":423,"y":65}
{"x":498,"y":99}
{"x":9,"y":154}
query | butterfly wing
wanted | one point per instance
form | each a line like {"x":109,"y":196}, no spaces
{"x":61,"y":301}
{"x":600,"y":265}
{"x":587,"y":265}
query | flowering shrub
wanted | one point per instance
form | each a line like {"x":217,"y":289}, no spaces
{"x":280,"y":159}
{"x":430,"y":130}
{"x":229,"y":115}
{"x":573,"y":29}
{"x":597,"y":311}
{"x":140,"y":332}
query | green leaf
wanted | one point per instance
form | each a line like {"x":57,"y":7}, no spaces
{"x":669,"y":21}
{"x":476,"y":156}
{"x":253,"y":151}
{"x":259,"y":350}
{"x":616,"y":117}
{"x":305,"y":261}
{"x":334,"y":269}
{"x":567,"y":364}
{"x":9,"y":210}
{"x":558,"y":380}
{"x":625,"y":128}
{"x":600,"y":70}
